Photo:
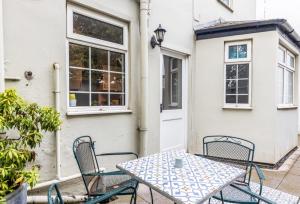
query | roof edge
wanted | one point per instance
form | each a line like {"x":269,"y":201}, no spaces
{"x":250,"y":27}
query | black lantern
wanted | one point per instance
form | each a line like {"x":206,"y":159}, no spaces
{"x":160,"y":33}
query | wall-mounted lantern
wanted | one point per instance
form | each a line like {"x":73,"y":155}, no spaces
{"x":160,"y":33}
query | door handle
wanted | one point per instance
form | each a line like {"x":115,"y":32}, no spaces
{"x":161,"y":107}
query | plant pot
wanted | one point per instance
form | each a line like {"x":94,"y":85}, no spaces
{"x":19,"y":196}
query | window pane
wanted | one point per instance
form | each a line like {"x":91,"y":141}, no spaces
{"x":230,"y":98}
{"x":99,"y":59}
{"x":99,"y":99}
{"x":280,"y":85}
{"x":231,"y":71}
{"x":243,"y":71}
{"x":227,"y":2}
{"x":78,"y":55}
{"x":291,"y":61}
{"x":281,"y":55}
{"x":79,"y":99}
{"x":243,"y":86}
{"x":99,"y":81}
{"x":117,"y":82}
{"x":242,"y":51}
{"x":289,"y":87}
{"x":116,"y":62}
{"x":117,"y":100}
{"x":230,"y":86}
{"x":233,"y":52}
{"x":172,"y":83}
{"x":79,"y":79}
{"x":91,"y":27}
{"x":243,"y":99}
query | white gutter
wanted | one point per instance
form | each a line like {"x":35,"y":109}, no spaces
{"x":57,"y":107}
{"x":2,"y":84}
{"x":144,"y":12}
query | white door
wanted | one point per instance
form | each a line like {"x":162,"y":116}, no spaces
{"x":173,"y":120}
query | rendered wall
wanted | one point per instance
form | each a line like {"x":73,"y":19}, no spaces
{"x":35,"y":38}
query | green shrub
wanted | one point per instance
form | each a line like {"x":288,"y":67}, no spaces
{"x":16,"y":154}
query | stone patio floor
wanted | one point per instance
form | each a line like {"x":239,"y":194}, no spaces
{"x":286,"y":179}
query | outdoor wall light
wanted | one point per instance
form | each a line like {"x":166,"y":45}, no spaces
{"x":160,"y":33}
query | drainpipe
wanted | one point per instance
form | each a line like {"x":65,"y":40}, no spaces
{"x":57,"y":106}
{"x":144,"y":6}
{"x":2,"y":85}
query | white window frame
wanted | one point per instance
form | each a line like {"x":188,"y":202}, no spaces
{"x":286,"y":67}
{"x":238,"y":61}
{"x":101,"y":44}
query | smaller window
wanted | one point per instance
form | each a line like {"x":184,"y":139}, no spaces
{"x":285,"y":77}
{"x":237,"y":73}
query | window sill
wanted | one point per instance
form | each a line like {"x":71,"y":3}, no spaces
{"x":225,"y":5}
{"x":106,"y":112}
{"x":237,"y":108}
{"x":286,"y":107}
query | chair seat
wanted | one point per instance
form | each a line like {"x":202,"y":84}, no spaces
{"x":104,"y":184}
{"x":233,"y":195}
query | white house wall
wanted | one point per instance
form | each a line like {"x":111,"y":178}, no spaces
{"x":273,"y":131}
{"x":35,"y":38}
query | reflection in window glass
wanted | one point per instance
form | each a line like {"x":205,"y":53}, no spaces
{"x":281,"y":55}
{"x":237,"y":51}
{"x":116,"y":62}
{"x":99,"y":59}
{"x":79,"y":79}
{"x":117,"y":100}
{"x":79,"y":55}
{"x":237,"y":85}
{"x":100,"y":84}
{"x":99,"y":99}
{"x":91,"y":27}
{"x":172,"y":83}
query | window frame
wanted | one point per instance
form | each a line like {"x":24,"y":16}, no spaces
{"x":228,"y":6}
{"x":100,"y":44}
{"x":285,"y":66}
{"x":238,"y":61}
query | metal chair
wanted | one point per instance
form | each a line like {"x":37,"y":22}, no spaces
{"x":239,"y":153}
{"x":100,"y":183}
{"x":54,"y":196}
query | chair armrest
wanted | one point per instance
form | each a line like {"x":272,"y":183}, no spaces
{"x":266,"y":200}
{"x":117,"y":153}
{"x":112,"y":173}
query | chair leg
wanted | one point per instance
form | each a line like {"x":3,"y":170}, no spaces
{"x":135,"y":197}
{"x":151,"y":194}
{"x":221,"y":193}
{"x":131,"y":199}
{"x":209,"y":200}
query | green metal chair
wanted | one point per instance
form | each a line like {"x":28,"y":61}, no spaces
{"x":239,"y":153}
{"x":99,"y":183}
{"x":54,"y":196}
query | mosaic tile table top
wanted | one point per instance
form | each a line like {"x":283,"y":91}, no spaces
{"x":195,"y":182}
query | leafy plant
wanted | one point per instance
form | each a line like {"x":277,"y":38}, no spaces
{"x":16,"y":154}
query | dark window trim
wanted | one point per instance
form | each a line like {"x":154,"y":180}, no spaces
{"x":226,"y":6}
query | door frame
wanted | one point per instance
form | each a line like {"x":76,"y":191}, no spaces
{"x":185,"y":59}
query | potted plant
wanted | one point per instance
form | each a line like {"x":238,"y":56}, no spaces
{"x":28,"y":122}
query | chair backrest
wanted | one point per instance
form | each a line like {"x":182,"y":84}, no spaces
{"x":234,"y":151}
{"x":84,"y":152}
{"x":54,"y":196}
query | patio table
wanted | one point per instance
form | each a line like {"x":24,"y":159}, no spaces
{"x":195,"y":182}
